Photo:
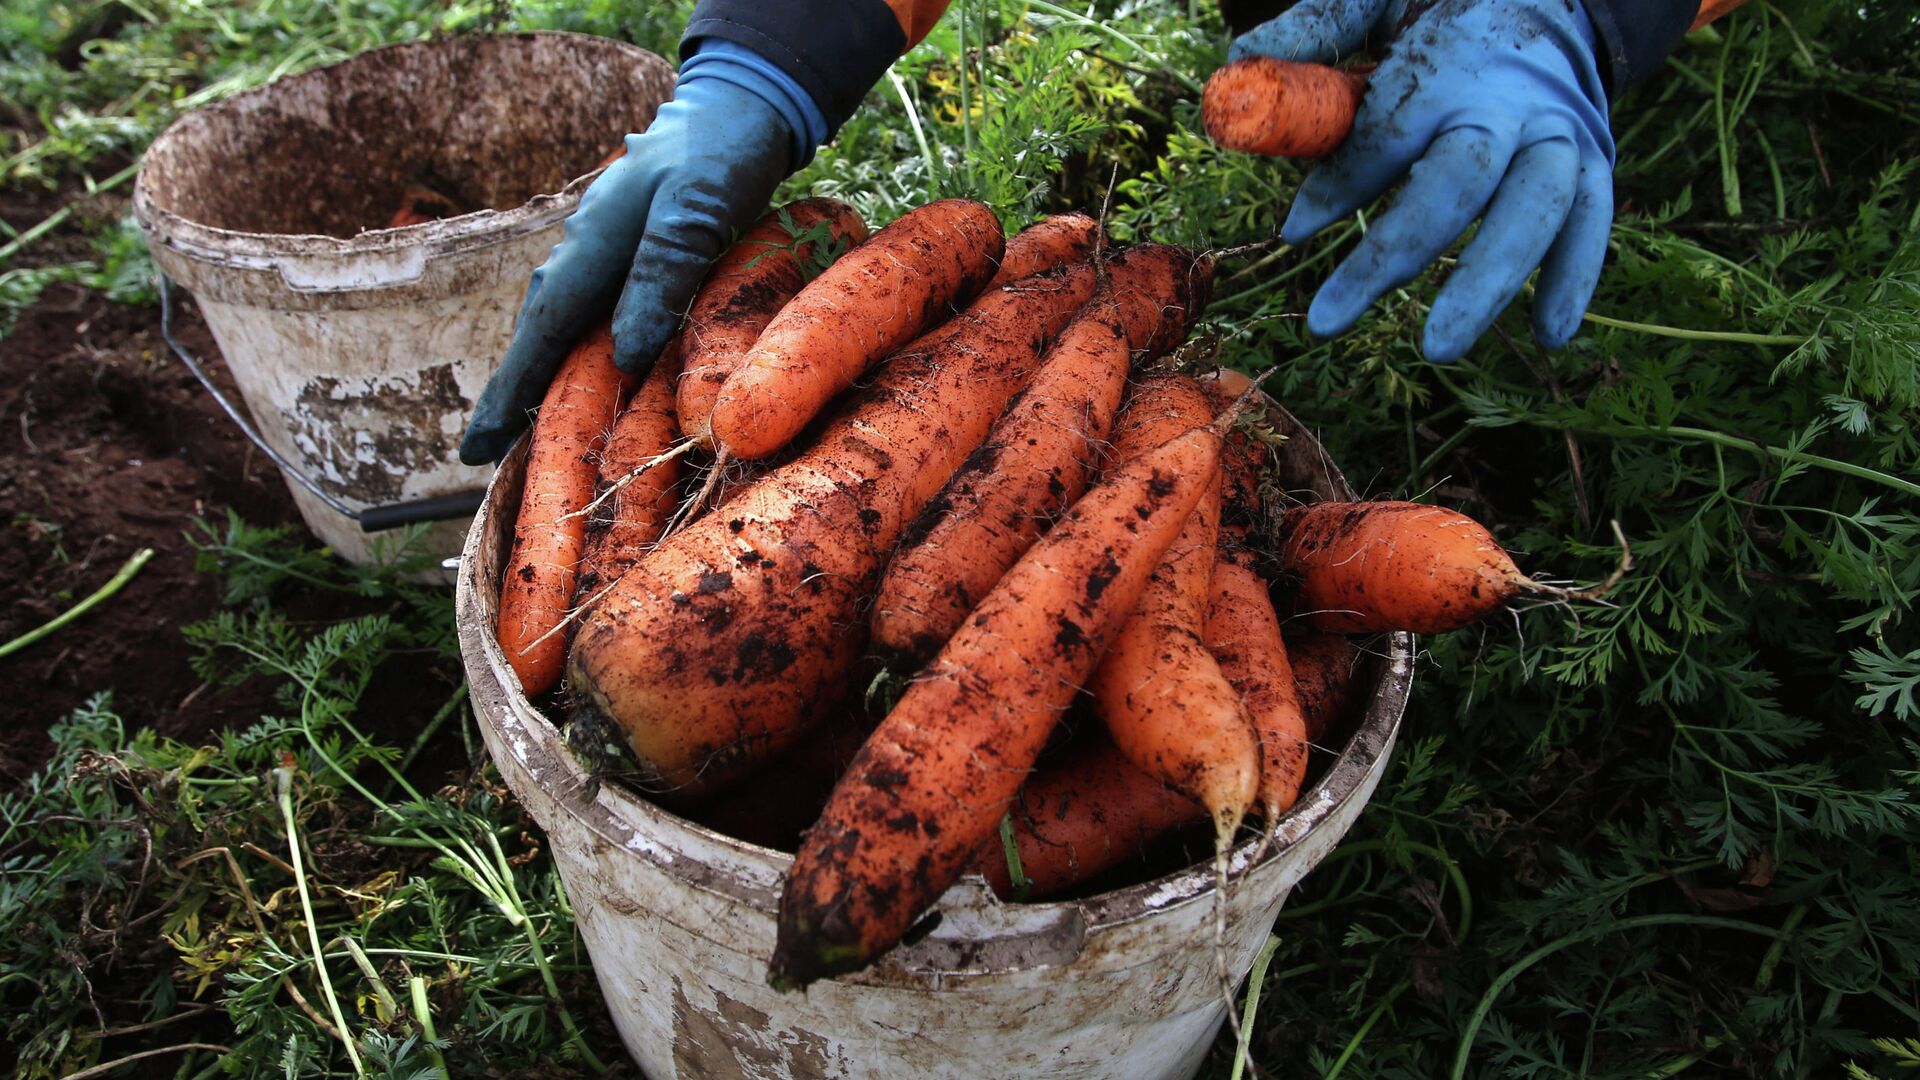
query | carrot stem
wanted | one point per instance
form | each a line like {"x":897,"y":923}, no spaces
{"x":1252,"y":1009}
{"x":1016,"y":874}
{"x":113,"y":585}
{"x":1521,"y":965}
{"x":1591,"y":592}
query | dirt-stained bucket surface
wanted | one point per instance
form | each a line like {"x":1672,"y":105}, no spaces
{"x":491,"y":121}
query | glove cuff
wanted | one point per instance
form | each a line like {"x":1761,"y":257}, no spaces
{"x":740,"y":66}
{"x":1635,"y":37}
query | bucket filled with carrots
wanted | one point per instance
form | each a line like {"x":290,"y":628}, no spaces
{"x":930,"y":667}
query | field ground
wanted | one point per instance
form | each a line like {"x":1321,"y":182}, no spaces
{"x":1676,"y":836}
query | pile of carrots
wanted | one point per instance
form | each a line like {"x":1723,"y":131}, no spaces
{"x":953,"y":452}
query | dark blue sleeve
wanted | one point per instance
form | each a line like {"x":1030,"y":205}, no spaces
{"x":1636,"y":36}
{"x":835,"y":49}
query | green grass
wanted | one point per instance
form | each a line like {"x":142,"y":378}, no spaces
{"x":1674,"y":835}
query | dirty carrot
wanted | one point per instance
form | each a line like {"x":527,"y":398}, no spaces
{"x":1080,"y":816}
{"x":419,"y":205}
{"x":1048,"y":242}
{"x":1365,"y":567}
{"x":905,"y":279}
{"x":744,"y":627}
{"x":1323,"y":667}
{"x":1280,"y":108}
{"x":1039,"y":455}
{"x":932,"y":783}
{"x":566,"y":438}
{"x":624,"y":527}
{"x":1160,"y":693}
{"x":745,"y":289}
{"x":1243,"y":634}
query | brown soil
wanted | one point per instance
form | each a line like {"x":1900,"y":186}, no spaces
{"x":108,"y":445}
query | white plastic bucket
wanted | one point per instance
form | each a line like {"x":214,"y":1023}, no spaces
{"x":359,"y":353}
{"x":679,"y":919}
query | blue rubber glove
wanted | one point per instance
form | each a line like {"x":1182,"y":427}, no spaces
{"x":1491,"y":110}
{"x":648,"y":227}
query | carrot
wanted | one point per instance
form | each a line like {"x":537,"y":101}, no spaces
{"x":1048,"y":242}
{"x":1280,"y":108}
{"x":419,"y":205}
{"x":745,"y":289}
{"x":1243,"y":634}
{"x":626,"y":526}
{"x":1365,"y":567}
{"x":904,"y":280}
{"x":1244,"y":466}
{"x":1711,"y":10}
{"x":1082,"y":816}
{"x":1159,"y":692}
{"x":1038,"y":457}
{"x":935,"y":778}
{"x":547,"y":544}
{"x":1323,"y":666}
{"x":742,"y":628}
{"x":610,"y":158}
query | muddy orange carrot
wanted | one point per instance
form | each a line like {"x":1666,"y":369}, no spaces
{"x":1243,"y":634}
{"x":1323,"y":667}
{"x":1081,"y":816}
{"x":1160,"y":693}
{"x":625,"y":526}
{"x":1039,"y":455}
{"x":744,"y":627}
{"x":932,"y":783}
{"x":745,"y":289}
{"x":1049,"y":242}
{"x":906,"y":278}
{"x":419,"y":205}
{"x":1364,"y":567}
{"x":1280,"y":108}
{"x":537,"y":588}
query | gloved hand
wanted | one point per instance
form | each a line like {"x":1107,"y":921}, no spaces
{"x":647,"y":228}
{"x":1492,"y":109}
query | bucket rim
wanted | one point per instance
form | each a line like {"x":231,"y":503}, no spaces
{"x":749,"y":874}
{"x":470,"y":231}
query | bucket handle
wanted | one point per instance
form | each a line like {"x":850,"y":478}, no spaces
{"x":372,"y":519}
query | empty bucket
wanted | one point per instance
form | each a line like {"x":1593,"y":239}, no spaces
{"x":359,"y":349}
{"x":679,"y":919}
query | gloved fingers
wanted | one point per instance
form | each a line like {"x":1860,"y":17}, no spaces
{"x":1446,"y":189}
{"x":688,"y":227}
{"x":565,"y":295}
{"x":1519,"y":226}
{"x":1375,"y":156}
{"x":1311,"y":31}
{"x":1571,"y":269}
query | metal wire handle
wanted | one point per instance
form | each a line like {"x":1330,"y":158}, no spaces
{"x":372,"y":519}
